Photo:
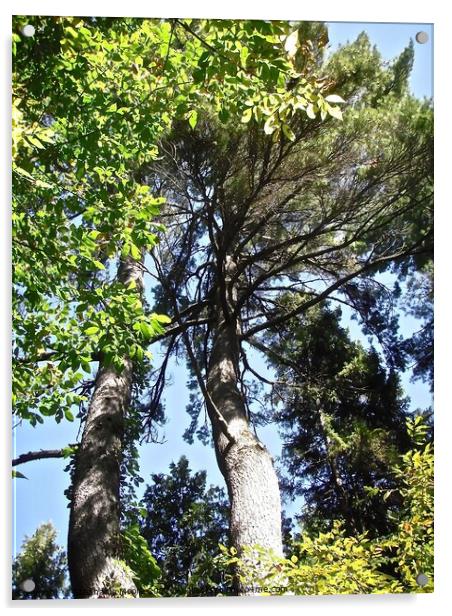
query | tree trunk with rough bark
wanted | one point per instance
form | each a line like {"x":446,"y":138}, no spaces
{"x":94,"y":524}
{"x":244,"y":461}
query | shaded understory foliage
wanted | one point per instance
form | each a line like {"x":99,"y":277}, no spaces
{"x":186,"y":527}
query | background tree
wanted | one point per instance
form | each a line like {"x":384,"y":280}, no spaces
{"x":183,"y":525}
{"x":419,"y":304}
{"x":43,"y":562}
{"x":342,"y":418}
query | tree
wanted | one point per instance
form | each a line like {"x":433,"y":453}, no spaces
{"x":70,"y":310}
{"x":314,"y":212}
{"x":342,"y":418}
{"x":43,"y":564}
{"x":92,"y":98}
{"x":183,"y":525}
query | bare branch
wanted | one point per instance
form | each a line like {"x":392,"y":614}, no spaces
{"x":39,"y":455}
{"x":327,"y":292}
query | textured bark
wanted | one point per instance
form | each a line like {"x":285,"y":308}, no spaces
{"x":245,"y":462}
{"x":93,"y":541}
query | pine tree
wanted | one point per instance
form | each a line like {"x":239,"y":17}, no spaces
{"x":184,"y":523}
{"x":316,"y":211}
{"x":342,"y":419}
{"x":40,"y":568}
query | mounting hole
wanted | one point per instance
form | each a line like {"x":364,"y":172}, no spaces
{"x":422,"y":37}
{"x":28,"y":30}
{"x":422,"y":579}
{"x":28,"y":585}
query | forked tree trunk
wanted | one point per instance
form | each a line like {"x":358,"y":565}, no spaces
{"x":245,"y":462}
{"x":94,"y":524}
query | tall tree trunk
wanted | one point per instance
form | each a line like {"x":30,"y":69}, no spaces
{"x":94,"y":523}
{"x":244,"y":461}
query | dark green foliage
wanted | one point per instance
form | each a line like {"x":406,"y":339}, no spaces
{"x":44,"y":562}
{"x":342,"y":418}
{"x":183,"y":526}
{"x":419,"y":304}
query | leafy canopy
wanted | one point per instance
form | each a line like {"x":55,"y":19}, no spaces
{"x":92,"y":97}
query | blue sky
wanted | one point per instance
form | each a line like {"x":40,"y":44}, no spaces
{"x":390,"y":40}
{"x":40,"y":498}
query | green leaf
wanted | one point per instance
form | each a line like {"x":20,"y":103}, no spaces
{"x":244,"y":52}
{"x":223,"y":114}
{"x":69,"y":416}
{"x":90,"y":331}
{"x":146,"y":330}
{"x":247,"y":115}
{"x":193,"y":118}
{"x":98,"y":264}
{"x":335,"y":112}
{"x":71,"y":31}
{"x":81,"y":171}
{"x":42,"y":184}
{"x":68,"y":451}
{"x":288,"y":132}
{"x":125,"y":252}
{"x":269,"y":126}
{"x":18,"y":475}
{"x":291,"y":44}
{"x":334,"y":98}
{"x":23,"y":172}
{"x":35,"y":141}
{"x":86,"y":367}
{"x":310,"y":112}
{"x":135,"y":252}
{"x":161,"y":318}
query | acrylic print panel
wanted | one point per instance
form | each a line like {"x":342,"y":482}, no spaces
{"x":232,"y":219}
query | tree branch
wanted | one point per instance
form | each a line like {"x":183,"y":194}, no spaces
{"x":39,"y":455}
{"x":207,"y":397}
{"x":327,"y":292}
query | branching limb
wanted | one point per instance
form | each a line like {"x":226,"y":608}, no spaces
{"x":185,"y":337}
{"x":330,"y":289}
{"x":39,"y":455}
